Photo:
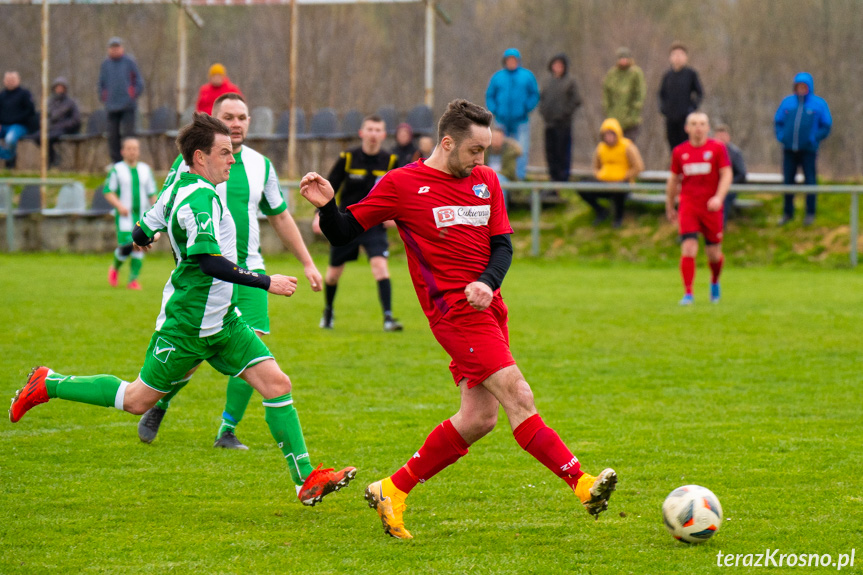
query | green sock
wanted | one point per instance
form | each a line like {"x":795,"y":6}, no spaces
{"x":166,"y":400}
{"x":104,"y":390}
{"x":238,"y":395}
{"x":284,"y":424}
{"x":135,"y":268}
{"x":117,"y":262}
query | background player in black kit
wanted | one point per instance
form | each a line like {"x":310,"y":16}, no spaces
{"x":353,"y":176}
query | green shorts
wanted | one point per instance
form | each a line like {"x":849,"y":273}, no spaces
{"x":252,"y":303}
{"x":123,"y":237}
{"x":170,"y":357}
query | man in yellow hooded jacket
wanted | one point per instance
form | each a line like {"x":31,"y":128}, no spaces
{"x":616,"y":159}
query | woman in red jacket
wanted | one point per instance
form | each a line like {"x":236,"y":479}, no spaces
{"x":219,"y":84}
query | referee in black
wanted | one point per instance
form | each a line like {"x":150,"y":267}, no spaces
{"x":353,"y":176}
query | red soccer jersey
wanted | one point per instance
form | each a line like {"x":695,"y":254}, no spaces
{"x":446,"y":224}
{"x":700,"y":168}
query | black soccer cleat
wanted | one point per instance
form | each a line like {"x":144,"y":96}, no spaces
{"x":149,"y":424}
{"x":229,"y":441}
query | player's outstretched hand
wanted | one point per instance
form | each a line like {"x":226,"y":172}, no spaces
{"x":316,"y":189}
{"x":282,"y":285}
{"x":479,"y":295}
{"x":314,"y":277}
{"x":149,"y":246}
{"x":714,"y":204}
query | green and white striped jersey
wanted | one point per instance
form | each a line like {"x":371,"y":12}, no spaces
{"x":193,"y":303}
{"x":134,"y":187}
{"x":253,"y":185}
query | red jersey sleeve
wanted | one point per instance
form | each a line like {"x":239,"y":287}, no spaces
{"x":379,"y":206}
{"x":675,"y":161}
{"x":498,"y":222}
{"x":722,"y":159}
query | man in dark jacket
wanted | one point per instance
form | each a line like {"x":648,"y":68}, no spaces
{"x":679,"y":94}
{"x":558,"y":101}
{"x":120,"y":84}
{"x":801,"y":122}
{"x":17,"y":116}
{"x":63,"y":116}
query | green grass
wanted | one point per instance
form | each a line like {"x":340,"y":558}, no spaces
{"x":758,"y":399}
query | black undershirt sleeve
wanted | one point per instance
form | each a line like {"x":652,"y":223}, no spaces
{"x":140,"y":237}
{"x":221,"y":268}
{"x":338,"y":227}
{"x":498,"y":262}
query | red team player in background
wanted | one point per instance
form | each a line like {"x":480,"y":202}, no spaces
{"x":451,"y":216}
{"x":701,"y":175}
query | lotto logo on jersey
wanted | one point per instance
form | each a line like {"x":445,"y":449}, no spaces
{"x":697,"y":168}
{"x":445,"y":216}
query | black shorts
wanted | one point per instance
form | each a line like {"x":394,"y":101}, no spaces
{"x":373,"y":240}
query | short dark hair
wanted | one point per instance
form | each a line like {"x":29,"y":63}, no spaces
{"x":678,"y":46}
{"x":200,"y":135}
{"x":722,"y":128}
{"x":228,"y":96}
{"x":459,"y":117}
{"x":373,"y":118}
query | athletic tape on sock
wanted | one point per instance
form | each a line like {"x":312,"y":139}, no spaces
{"x":121,"y":395}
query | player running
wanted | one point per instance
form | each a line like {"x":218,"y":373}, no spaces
{"x":130,"y":188}
{"x":197,"y":321}
{"x":253,"y":185}
{"x":353,"y":176}
{"x":701,"y":175}
{"x":449,"y":210}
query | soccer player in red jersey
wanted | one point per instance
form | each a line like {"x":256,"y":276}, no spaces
{"x":700,"y":175}
{"x":450,"y":212}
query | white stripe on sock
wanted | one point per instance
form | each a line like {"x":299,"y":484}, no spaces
{"x":121,"y":395}
{"x":280,"y":404}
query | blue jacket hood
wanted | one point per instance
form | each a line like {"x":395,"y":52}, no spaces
{"x":511,"y":52}
{"x":805,"y":78}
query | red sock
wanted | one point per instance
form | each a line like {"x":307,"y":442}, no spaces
{"x":443,"y":447}
{"x":687,"y":270}
{"x":541,"y":441}
{"x":716,"y":269}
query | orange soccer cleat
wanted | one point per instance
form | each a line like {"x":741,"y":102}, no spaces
{"x":322,"y":482}
{"x":32,"y":394}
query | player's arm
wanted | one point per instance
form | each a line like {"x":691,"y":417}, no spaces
{"x":672,"y":190}
{"x":338,"y":227}
{"x":110,"y":191}
{"x":286,"y":228}
{"x":725,"y":176}
{"x":221,"y":268}
{"x":480,"y":293}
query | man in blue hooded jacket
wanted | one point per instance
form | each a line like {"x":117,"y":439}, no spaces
{"x":511,"y":96}
{"x":802,"y":121}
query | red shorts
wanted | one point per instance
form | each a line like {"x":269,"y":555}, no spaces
{"x":695,"y":219}
{"x":477,"y":341}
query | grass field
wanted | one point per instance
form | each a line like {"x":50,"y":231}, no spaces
{"x":757,"y":398}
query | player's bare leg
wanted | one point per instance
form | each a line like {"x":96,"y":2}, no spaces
{"x":534,"y":436}
{"x":151,"y":421}
{"x":284,"y":423}
{"x":688,"y":252}
{"x":715,"y":259}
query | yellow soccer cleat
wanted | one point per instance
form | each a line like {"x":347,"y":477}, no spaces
{"x":595,"y":491}
{"x":389,"y":502}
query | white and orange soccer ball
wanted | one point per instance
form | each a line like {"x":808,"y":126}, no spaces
{"x":692,"y":514}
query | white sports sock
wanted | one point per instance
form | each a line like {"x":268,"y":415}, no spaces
{"x":121,"y":395}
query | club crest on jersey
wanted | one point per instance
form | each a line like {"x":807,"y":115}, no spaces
{"x":708,"y":154}
{"x":481,"y":191}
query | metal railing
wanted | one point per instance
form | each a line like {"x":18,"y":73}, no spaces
{"x":536,"y":203}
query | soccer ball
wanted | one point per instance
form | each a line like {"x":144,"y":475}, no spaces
{"x":692,"y":514}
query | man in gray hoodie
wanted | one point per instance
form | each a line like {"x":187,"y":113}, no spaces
{"x":558,"y":101}
{"x":120,"y":84}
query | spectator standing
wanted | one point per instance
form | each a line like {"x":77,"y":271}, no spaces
{"x":679,"y":95}
{"x":502,"y":155}
{"x":218,"y":84}
{"x":738,"y":166}
{"x":425,"y":147}
{"x":558,"y":102}
{"x":63,"y":116}
{"x":120,"y":85}
{"x":616,"y":159}
{"x":405,"y":149}
{"x":511,"y":96}
{"x":17,"y":116}
{"x":623,"y":92}
{"x":801,"y":122}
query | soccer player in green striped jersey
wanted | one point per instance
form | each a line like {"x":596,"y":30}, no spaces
{"x":253,"y":186}
{"x":131,"y":189}
{"x":198,"y":320}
